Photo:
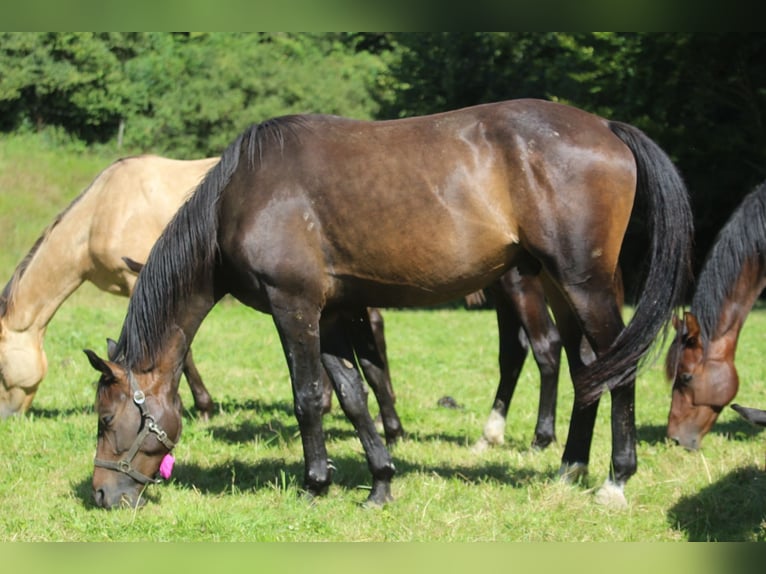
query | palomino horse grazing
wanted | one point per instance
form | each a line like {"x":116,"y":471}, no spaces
{"x":700,"y":361}
{"x":459,"y":198}
{"x":98,"y":238}
{"x":121,"y":213}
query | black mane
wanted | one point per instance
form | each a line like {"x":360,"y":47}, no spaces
{"x":741,"y":240}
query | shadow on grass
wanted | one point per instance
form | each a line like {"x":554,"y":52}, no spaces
{"x":735,"y":429}
{"x":54,"y":413}
{"x":731,"y":509}
{"x":351,"y":474}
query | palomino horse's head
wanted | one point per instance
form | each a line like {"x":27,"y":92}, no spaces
{"x":139,"y":422}
{"x":22,"y":366}
{"x":704,"y":381}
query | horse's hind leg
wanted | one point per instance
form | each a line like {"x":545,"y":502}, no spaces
{"x":370,"y":347}
{"x":202,"y":399}
{"x":599,"y":314}
{"x":338,"y":359}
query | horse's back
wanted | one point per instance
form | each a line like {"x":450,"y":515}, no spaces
{"x":421,"y":204}
{"x":131,"y":202}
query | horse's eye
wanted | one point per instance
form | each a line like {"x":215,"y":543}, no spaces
{"x":105,"y":421}
{"x":686,"y":378}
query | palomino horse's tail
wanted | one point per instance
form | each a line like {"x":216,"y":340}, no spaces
{"x":671,"y":233}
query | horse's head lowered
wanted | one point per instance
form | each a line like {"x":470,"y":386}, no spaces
{"x":22,"y":366}
{"x":704,"y":381}
{"x":139,"y":422}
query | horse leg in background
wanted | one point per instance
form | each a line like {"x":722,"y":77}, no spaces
{"x":605,"y":321}
{"x":520,"y":304}
{"x":368,"y":340}
{"x":513,"y":348}
{"x":525,"y":292}
{"x":203,"y":402}
{"x":338,"y":358}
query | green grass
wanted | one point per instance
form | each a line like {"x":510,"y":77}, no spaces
{"x":237,"y":476}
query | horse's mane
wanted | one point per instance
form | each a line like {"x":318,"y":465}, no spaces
{"x":186,"y":253}
{"x":741,"y":240}
{"x":6,"y":297}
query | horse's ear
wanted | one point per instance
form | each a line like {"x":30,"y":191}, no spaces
{"x":99,"y":364}
{"x":111,"y":348}
{"x":133,"y":265}
{"x":691,"y":330}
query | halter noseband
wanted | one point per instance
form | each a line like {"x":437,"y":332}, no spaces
{"x":148,"y":426}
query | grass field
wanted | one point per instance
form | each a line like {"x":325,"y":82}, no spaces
{"x":237,"y":476}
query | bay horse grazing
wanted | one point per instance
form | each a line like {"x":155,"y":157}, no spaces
{"x":458,"y":198}
{"x":121,"y":213}
{"x":700,"y":360}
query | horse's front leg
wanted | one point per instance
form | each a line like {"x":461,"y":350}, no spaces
{"x":298,"y":328}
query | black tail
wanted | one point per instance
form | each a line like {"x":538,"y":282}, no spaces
{"x":671,"y":233}
{"x":755,"y":416}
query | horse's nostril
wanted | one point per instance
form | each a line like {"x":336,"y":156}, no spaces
{"x":99,"y":497}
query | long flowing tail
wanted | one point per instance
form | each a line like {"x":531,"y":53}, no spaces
{"x":671,"y":233}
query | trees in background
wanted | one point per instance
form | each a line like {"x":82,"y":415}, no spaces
{"x":701,"y":96}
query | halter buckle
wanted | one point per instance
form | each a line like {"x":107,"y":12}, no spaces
{"x":139,"y":397}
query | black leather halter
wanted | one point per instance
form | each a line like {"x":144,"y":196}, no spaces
{"x":148,"y":426}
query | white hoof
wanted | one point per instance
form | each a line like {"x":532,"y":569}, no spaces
{"x":571,"y":473}
{"x":494,"y":429}
{"x":611,"y":495}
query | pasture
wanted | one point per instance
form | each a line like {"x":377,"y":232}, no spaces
{"x":237,"y":476}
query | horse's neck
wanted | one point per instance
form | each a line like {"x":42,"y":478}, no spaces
{"x":744,"y":293}
{"x":55,"y":270}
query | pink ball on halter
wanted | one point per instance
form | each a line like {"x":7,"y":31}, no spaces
{"x":166,"y":466}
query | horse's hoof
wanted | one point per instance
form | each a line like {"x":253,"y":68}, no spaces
{"x":573,"y":472}
{"x":542,"y":442}
{"x":494,"y":429}
{"x":380,"y":495}
{"x":611,"y":495}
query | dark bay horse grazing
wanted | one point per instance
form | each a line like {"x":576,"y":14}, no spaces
{"x":700,"y":361}
{"x":282,"y":224}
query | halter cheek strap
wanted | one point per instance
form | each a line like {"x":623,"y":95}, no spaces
{"x":148,"y":426}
